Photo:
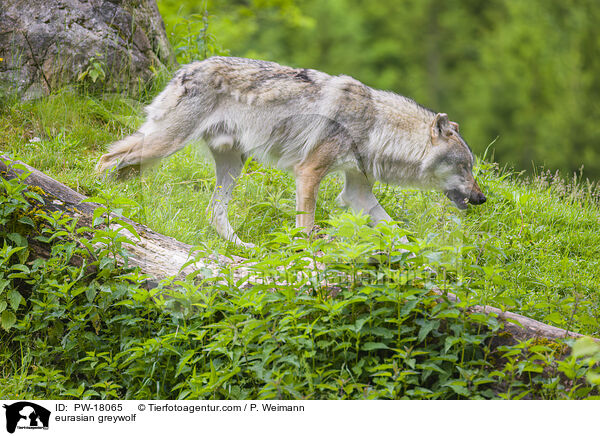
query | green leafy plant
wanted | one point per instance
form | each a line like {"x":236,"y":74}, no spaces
{"x":366,"y":326}
{"x":193,"y":40}
{"x":95,"y":69}
{"x":80,"y":323}
{"x":16,"y":222}
{"x":589,"y":350}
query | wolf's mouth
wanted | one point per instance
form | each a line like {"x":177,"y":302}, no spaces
{"x":459,"y":199}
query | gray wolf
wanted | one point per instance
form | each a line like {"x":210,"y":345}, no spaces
{"x":306,"y":122}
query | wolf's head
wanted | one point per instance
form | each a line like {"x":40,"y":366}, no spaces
{"x":449,"y":166}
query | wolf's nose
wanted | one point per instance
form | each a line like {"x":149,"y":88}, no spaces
{"x":477,"y":198}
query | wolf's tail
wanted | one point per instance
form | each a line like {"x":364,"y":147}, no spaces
{"x":172,"y":117}
{"x":138,"y":149}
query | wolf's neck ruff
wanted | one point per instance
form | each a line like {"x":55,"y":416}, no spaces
{"x":300,"y":120}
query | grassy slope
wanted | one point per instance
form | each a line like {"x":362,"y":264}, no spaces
{"x":534,"y":246}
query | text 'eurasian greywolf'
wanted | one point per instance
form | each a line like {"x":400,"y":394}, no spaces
{"x":304,"y":121}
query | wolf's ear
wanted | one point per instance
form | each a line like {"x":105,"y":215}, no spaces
{"x":440,"y":126}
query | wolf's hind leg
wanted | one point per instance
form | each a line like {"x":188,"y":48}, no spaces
{"x":228,"y":166}
{"x":358,"y":194}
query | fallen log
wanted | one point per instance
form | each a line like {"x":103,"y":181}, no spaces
{"x":161,"y":256}
{"x":155,"y":254}
{"x":520,"y":327}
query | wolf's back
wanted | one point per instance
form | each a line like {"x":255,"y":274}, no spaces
{"x":252,"y":81}
{"x":269,"y":110}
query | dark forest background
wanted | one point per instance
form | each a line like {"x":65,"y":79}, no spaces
{"x":521,"y":74}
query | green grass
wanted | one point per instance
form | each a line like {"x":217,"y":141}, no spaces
{"x":535,"y":243}
{"x":533,"y":248}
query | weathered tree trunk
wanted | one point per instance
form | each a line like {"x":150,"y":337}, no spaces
{"x":161,"y":256}
{"x":520,"y":327}
{"x":45,"y":44}
{"x":158,"y":255}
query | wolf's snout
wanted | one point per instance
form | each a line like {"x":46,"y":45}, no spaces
{"x":477,"y":198}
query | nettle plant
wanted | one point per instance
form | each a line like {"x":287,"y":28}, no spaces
{"x":95,"y":69}
{"x":76,"y":253}
{"x":13,"y":202}
{"x":345,"y":313}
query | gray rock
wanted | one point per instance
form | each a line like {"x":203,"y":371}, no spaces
{"x":45,"y":44}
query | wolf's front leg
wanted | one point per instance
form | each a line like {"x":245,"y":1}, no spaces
{"x":228,"y":166}
{"x":358,"y":194}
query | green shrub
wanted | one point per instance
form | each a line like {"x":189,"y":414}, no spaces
{"x":365,"y":326}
